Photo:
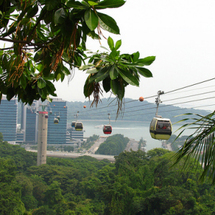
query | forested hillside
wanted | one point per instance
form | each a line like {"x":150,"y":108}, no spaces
{"x":113,"y":145}
{"x":132,"y":110}
{"x":137,"y":183}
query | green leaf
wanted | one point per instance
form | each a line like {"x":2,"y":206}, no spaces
{"x":93,"y":35}
{"x":114,"y":86}
{"x":118,"y":44}
{"x":144,"y":72}
{"x":147,"y":60}
{"x":128,"y":77}
{"x":136,"y":56}
{"x":23,"y":81}
{"x":50,"y":88}
{"x":109,"y":4}
{"x":41,"y":83}
{"x":108,"y":23}
{"x":58,"y":76}
{"x":62,"y":77}
{"x":76,"y":5}
{"x":110,"y":43}
{"x":91,"y":19}
{"x":121,"y":91}
{"x":66,"y":71}
{"x":10,"y":93}
{"x":102,"y":74}
{"x":106,"y":84}
{"x":113,"y":73}
{"x":84,"y":67}
{"x":32,"y":11}
{"x":92,"y":70}
{"x":10,"y":31}
{"x":59,"y":16}
{"x":38,"y":56}
{"x":88,"y":87}
{"x":92,"y":3}
{"x":51,"y":4}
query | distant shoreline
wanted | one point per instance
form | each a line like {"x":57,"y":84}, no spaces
{"x":95,"y":120}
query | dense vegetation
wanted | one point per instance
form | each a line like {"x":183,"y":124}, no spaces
{"x":113,"y":145}
{"x":137,"y":183}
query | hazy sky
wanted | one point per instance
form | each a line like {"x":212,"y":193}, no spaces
{"x":181,"y":34}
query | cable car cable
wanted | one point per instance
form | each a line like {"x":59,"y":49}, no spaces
{"x":165,"y":111}
{"x":164,"y":94}
{"x":199,"y":94}
{"x":191,"y":85}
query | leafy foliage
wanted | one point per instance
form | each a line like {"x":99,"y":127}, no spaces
{"x":48,"y":39}
{"x":115,"y":71}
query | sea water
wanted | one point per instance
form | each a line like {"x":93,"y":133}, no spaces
{"x":131,"y":129}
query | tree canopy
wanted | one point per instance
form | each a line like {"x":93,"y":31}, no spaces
{"x":47,"y":40}
{"x":137,"y":183}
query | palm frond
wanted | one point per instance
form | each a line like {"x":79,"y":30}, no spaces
{"x":199,"y":145}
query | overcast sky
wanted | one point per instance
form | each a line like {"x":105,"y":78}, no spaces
{"x":181,"y":34}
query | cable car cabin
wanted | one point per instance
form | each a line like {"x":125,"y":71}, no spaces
{"x":73,"y":124}
{"x":160,"y":128}
{"x":78,"y":126}
{"x":107,"y":129}
{"x":56,"y":120}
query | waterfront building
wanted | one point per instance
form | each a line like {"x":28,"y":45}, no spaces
{"x":8,"y":116}
{"x":76,"y":135}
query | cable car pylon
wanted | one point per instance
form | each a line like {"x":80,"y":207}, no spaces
{"x":160,"y":128}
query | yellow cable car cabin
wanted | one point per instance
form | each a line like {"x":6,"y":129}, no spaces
{"x":78,"y":126}
{"x":160,"y":128}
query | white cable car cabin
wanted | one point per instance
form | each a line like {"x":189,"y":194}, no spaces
{"x":160,"y":128}
{"x":56,"y":120}
{"x":107,"y":129}
{"x":78,"y":126}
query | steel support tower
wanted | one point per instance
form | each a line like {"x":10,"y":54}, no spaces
{"x":42,"y":137}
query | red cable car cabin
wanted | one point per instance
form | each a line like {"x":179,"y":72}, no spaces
{"x":107,"y":129}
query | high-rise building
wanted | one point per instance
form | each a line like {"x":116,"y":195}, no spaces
{"x":76,"y":135}
{"x":57,"y":122}
{"x":29,"y":122}
{"x":8,"y":119}
{"x":30,"y":125}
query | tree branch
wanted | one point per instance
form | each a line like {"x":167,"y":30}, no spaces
{"x":7,"y":48}
{"x":14,"y":41}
